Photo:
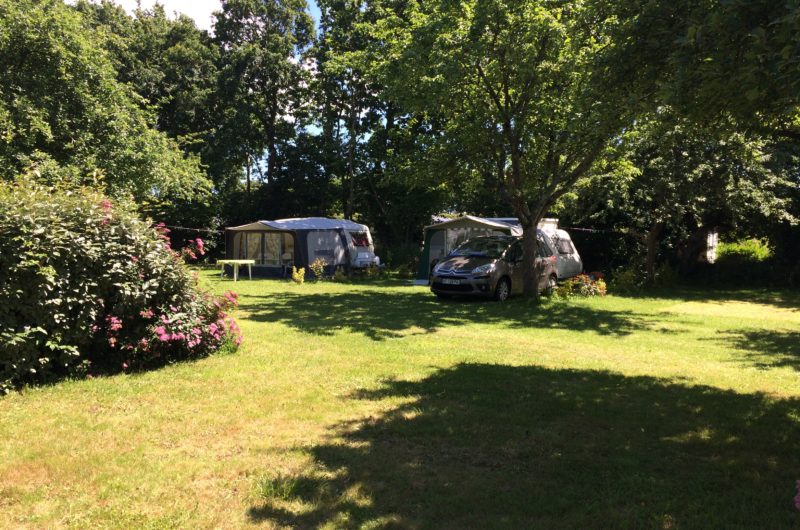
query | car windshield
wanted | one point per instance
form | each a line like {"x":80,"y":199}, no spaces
{"x":482,"y":247}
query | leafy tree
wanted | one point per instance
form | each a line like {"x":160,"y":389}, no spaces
{"x":539,"y":89}
{"x":262,"y":78}
{"x":63,"y":111}
{"x":667,"y":176}
{"x":736,"y":61}
{"x":173,"y":65}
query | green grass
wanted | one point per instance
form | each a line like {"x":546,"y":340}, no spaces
{"x":375,"y":405}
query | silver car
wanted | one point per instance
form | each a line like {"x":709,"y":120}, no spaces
{"x":492,"y":267}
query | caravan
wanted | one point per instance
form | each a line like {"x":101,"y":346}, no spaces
{"x":277,"y":246}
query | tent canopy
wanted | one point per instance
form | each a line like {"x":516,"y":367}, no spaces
{"x":304,"y":223}
{"x":506,"y":224}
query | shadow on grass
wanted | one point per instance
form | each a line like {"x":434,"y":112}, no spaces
{"x":493,"y":446}
{"x":768,"y":349}
{"x":779,"y":298}
{"x":380,"y":315}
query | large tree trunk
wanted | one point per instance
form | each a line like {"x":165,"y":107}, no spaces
{"x":530,"y":244}
{"x":652,"y":239}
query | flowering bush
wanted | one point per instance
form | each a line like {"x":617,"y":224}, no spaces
{"x":318,"y":268}
{"x":797,"y":497}
{"x":90,"y":289}
{"x":298,"y":275}
{"x":582,"y":285}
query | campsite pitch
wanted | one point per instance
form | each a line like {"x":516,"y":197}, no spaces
{"x":374,"y":405}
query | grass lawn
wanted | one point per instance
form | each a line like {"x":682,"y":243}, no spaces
{"x":378,"y":406}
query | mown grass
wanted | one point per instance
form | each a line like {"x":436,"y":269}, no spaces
{"x":377,"y":406}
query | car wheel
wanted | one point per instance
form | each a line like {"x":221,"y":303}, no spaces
{"x":502,"y":290}
{"x":552,"y":283}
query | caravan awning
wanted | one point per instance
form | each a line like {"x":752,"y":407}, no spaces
{"x":470,"y":221}
{"x":303,"y":223}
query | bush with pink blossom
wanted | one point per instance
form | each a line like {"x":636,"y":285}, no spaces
{"x":87,"y":288}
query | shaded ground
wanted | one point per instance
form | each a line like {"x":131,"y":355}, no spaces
{"x":494,"y":446}
{"x":386,"y":314}
{"x":768,"y":349}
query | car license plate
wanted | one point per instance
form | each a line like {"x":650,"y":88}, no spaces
{"x":449,"y":281}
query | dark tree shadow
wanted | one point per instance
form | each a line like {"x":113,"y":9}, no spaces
{"x":767,"y":349}
{"x":493,"y":446}
{"x":380,"y":315}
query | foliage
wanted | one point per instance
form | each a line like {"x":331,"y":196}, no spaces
{"x":669,"y":181}
{"x":627,"y":280}
{"x":91,"y":289}
{"x":261,"y":79}
{"x":318,"y":268}
{"x":733,"y":62}
{"x":298,"y":275}
{"x":752,"y":250}
{"x":514,"y":84}
{"x":61,"y":106}
{"x":581,"y":285}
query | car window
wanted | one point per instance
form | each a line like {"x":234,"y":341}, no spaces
{"x":514,"y":252}
{"x":482,"y":247}
{"x":564,"y":246}
{"x":543,"y":249}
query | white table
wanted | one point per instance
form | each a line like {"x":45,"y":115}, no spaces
{"x":235,"y":263}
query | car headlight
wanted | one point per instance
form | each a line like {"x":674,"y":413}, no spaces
{"x":484,"y":269}
{"x":437,"y":266}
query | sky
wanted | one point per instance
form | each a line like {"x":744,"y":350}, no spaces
{"x":199,"y":10}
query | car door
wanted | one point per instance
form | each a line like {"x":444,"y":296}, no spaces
{"x":513,"y":260}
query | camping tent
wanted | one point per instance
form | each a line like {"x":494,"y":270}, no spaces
{"x":278,"y":245}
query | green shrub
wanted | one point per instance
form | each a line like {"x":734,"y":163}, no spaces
{"x":627,"y":280}
{"x":746,"y":250}
{"x":89,"y":288}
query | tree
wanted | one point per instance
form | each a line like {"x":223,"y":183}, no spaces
{"x":63,"y":111}
{"x":262,"y":77}
{"x":538,"y":88}
{"x":666,"y":176}
{"x":735,"y":62}
{"x":173,"y":66}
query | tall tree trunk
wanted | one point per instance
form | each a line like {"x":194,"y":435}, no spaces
{"x":247,"y":170}
{"x":530,"y":246}
{"x":351,"y":155}
{"x":272,"y":151}
{"x":652,"y":240}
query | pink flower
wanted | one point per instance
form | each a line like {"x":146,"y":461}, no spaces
{"x":797,"y":497}
{"x":160,"y":330}
{"x":113,"y":323}
{"x":124,"y":366}
{"x":106,"y":205}
{"x":134,"y":259}
{"x":200,"y":246}
{"x":143,"y":344}
{"x":146,"y":314}
{"x":112,"y":341}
